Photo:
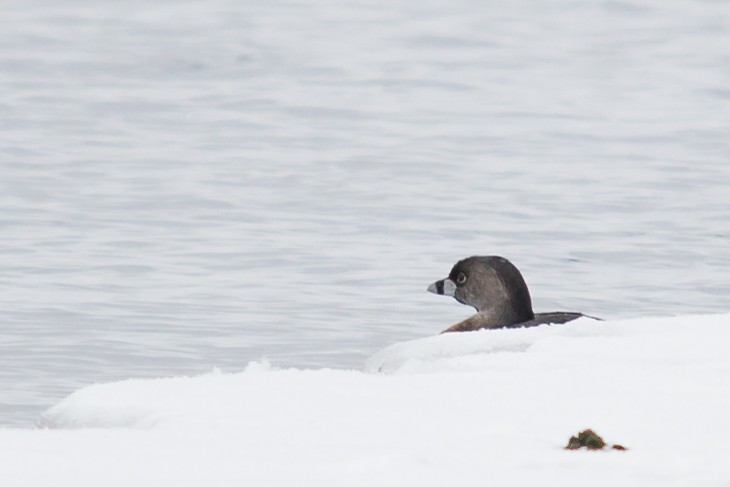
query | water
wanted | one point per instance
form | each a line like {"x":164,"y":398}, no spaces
{"x":190,"y":185}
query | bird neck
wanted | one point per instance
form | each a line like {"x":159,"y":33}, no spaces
{"x":505,"y":314}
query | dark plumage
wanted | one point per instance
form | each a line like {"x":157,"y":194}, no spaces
{"x":496,"y":289}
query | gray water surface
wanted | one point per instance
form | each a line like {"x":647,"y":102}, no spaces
{"x":190,"y":185}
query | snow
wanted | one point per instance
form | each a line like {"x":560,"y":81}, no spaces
{"x":483,"y":408}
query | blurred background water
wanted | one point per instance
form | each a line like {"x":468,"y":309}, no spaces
{"x":187,"y":185}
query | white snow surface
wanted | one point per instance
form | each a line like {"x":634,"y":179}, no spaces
{"x":482,"y":408}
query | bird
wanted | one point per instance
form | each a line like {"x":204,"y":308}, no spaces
{"x":496,"y":289}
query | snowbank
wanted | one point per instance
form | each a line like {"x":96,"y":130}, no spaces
{"x":483,"y":408}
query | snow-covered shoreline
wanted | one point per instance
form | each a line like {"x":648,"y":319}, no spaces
{"x":494,"y":407}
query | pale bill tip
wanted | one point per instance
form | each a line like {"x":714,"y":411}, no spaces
{"x":445,"y":287}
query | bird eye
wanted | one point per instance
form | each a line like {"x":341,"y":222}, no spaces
{"x":461,"y":278}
